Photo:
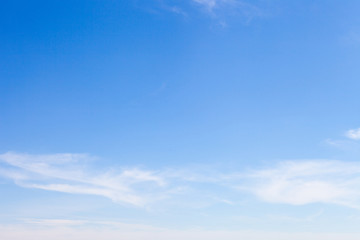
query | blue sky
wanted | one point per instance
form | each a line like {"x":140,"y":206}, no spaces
{"x":167,"y":119}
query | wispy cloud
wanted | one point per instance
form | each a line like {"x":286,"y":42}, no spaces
{"x":68,"y":173}
{"x":353,"y":134}
{"x":304,"y":182}
{"x":218,"y":10}
{"x":223,"y":10}
{"x":231,"y":7}
{"x":208,"y":4}
{"x":290,"y":182}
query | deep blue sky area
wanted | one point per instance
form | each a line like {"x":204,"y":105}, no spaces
{"x":120,"y":77}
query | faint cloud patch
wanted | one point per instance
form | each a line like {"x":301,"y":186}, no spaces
{"x":178,"y":10}
{"x":349,"y":144}
{"x":344,"y":145}
{"x":208,"y":4}
{"x":305,"y":182}
{"x":353,"y":134}
{"x":222,"y":9}
{"x":219,"y":11}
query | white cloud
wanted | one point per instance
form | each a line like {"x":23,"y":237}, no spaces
{"x":290,"y":182}
{"x":304,"y":182}
{"x":353,"y":134}
{"x":67,"y":173}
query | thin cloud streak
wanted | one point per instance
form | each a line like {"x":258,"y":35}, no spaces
{"x":66,"y":173}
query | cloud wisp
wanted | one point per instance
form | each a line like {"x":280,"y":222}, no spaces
{"x":288,"y":182}
{"x":218,"y":10}
{"x":208,"y":4}
{"x":223,"y":11}
{"x":305,"y":182}
{"x":353,"y":134}
{"x":67,"y":173}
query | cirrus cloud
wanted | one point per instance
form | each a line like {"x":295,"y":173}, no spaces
{"x":289,"y":182}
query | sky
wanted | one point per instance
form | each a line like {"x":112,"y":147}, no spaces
{"x":179,"y":119}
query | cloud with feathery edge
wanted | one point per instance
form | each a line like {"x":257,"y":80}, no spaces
{"x":289,"y":182}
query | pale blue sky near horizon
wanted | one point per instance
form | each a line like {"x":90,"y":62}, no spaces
{"x":201,"y":114}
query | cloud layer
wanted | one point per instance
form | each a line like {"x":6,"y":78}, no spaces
{"x":63,"y":230}
{"x":288,"y":182}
